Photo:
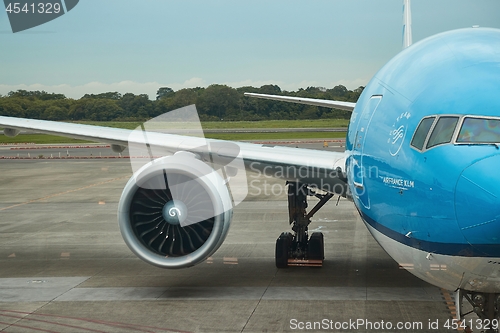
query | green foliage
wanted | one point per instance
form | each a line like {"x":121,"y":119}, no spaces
{"x":12,"y":107}
{"x":219,"y":102}
{"x":54,"y":112}
{"x":135,"y":107}
{"x":214,"y":103}
{"x":41,"y":95}
{"x":95,"y":109}
{"x":164,"y":92}
{"x":108,"y":95}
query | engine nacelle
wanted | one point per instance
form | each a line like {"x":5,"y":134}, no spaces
{"x":175,"y":211}
{"x":11,"y":132}
{"x":118,"y":148}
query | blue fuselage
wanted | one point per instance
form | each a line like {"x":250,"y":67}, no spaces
{"x":444,"y":199}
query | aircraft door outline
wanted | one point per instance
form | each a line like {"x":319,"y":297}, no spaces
{"x":358,"y":173}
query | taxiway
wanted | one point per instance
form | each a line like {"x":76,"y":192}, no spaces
{"x":65,"y":268}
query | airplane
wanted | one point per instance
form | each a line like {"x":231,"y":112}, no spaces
{"x":421,"y":166}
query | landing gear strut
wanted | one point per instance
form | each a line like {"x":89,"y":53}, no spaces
{"x":485,"y":305}
{"x":297,"y":248}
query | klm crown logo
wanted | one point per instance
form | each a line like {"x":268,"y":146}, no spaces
{"x":25,"y":15}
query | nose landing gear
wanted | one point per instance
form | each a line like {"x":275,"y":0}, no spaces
{"x":298,"y":248}
{"x":485,"y":305}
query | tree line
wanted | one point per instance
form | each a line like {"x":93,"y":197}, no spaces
{"x":214,"y":103}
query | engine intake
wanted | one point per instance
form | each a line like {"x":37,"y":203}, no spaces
{"x":175,"y":211}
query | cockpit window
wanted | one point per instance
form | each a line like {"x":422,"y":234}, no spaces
{"x":479,"y":130}
{"x":421,"y":132}
{"x":443,"y":131}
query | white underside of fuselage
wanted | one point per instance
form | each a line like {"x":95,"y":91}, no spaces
{"x":449,"y":272}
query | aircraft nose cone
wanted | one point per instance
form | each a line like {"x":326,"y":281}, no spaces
{"x":477,"y":202}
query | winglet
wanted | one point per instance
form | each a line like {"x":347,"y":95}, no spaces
{"x":407,"y":35}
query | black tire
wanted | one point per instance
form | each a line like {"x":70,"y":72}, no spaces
{"x":283,"y":244}
{"x":315,"y":247}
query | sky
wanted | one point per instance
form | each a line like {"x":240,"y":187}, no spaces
{"x":139,"y":46}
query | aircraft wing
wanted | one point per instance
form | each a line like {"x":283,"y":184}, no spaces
{"x":348,"y":106}
{"x":298,"y":164}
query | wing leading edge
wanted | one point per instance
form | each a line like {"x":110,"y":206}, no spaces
{"x":348,"y":106}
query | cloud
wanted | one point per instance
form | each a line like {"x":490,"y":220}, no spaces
{"x":150,"y":88}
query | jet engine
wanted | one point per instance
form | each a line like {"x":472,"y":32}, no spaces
{"x":175,"y":211}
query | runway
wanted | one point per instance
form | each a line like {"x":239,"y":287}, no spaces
{"x":65,"y":268}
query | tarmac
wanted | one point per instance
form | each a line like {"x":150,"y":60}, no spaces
{"x":65,"y":268}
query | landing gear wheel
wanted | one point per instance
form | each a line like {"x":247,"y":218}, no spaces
{"x":298,"y":249}
{"x":283,"y":245}
{"x":315,"y":247}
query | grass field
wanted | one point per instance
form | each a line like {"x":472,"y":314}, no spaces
{"x":51,"y":139}
{"x":326,"y":123}
{"x":319,"y":123}
{"x":276,"y":136}
{"x":38,"y":138}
